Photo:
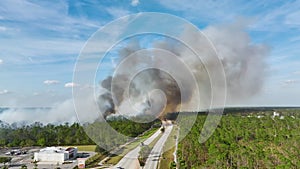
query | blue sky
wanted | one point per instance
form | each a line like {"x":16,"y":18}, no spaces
{"x":41,"y":40}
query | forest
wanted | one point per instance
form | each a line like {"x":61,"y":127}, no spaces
{"x":38,"y":134}
{"x":244,"y":140}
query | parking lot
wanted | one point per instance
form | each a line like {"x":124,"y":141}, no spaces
{"x":24,"y":156}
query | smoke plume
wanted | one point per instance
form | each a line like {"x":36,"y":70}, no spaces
{"x":57,"y":114}
{"x":156,"y":91}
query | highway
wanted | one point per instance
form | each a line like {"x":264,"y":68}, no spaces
{"x":153,"y":159}
{"x":130,"y":160}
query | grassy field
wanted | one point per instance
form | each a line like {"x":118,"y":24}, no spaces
{"x":86,"y":147}
{"x":168,"y":149}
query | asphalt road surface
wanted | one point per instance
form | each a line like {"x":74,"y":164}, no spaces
{"x":130,"y":160}
{"x":156,"y":152}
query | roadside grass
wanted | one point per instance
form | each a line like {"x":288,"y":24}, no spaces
{"x":149,"y":133}
{"x":114,"y":159}
{"x":86,"y":147}
{"x":93,"y":161}
{"x":167,"y":157}
{"x":130,"y":146}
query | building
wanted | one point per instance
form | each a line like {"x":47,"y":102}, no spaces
{"x":55,"y":154}
{"x":275,"y":114}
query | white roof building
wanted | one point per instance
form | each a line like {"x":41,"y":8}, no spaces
{"x":275,"y":114}
{"x":55,"y":154}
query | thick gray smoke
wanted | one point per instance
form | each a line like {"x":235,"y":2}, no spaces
{"x":243,"y":62}
{"x":107,"y":103}
{"x":59,"y":113}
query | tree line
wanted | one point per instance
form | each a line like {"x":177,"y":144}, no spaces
{"x":38,"y":134}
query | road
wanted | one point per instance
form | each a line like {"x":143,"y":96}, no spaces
{"x":130,"y":161}
{"x":153,"y":159}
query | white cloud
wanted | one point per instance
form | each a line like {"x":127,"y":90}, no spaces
{"x":281,"y":18}
{"x":297,"y":73}
{"x":292,"y":19}
{"x":38,"y":18}
{"x":117,"y":12}
{"x":135,"y":2}
{"x":56,"y":13}
{"x":50,"y":82}
{"x":290,"y":81}
{"x":33,"y":50}
{"x":2,"y":28}
{"x":71,"y":84}
{"x":1,"y":61}
{"x":278,"y":18}
{"x":2,"y":92}
{"x":223,"y":10}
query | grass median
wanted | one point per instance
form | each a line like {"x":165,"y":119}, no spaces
{"x":123,"y":151}
{"x":167,"y":157}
